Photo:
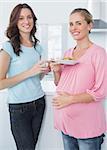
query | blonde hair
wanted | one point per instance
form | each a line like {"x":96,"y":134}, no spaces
{"x":85,"y":13}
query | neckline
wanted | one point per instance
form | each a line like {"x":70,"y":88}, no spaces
{"x":27,"y":46}
{"x":84,"y":53}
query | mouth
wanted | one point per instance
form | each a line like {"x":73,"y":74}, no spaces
{"x":75,"y":33}
{"x":26,"y":26}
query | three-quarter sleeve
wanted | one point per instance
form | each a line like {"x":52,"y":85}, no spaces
{"x":99,"y":90}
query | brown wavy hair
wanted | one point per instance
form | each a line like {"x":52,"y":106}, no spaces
{"x":12,"y":31}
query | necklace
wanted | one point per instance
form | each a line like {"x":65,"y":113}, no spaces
{"x":79,"y":52}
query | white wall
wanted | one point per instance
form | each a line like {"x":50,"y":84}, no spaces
{"x":104,"y":16}
{"x":46,"y":11}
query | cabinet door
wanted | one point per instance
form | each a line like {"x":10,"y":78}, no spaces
{"x":50,"y":138}
{"x":6,"y":138}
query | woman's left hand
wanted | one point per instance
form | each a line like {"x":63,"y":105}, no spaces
{"x":62,"y":100}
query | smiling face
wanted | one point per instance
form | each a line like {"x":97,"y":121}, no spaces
{"x":25,"y":22}
{"x":78,"y":26}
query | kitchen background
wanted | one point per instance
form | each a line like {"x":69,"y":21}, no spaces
{"x":54,"y":36}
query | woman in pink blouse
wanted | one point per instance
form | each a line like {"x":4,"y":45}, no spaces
{"x":81,"y":88}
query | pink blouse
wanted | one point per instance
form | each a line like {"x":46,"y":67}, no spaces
{"x":84,"y":120}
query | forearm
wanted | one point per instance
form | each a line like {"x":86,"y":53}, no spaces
{"x":81,"y":98}
{"x":45,"y":73}
{"x":9,"y":82}
{"x":57,"y":77}
{"x":64,"y":99}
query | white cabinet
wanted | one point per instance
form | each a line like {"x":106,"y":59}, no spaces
{"x":49,"y":139}
{"x":6,"y":138}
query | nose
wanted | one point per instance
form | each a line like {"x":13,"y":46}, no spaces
{"x":73,"y":27}
{"x":26,"y":20}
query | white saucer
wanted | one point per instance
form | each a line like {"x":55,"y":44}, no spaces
{"x":67,"y":62}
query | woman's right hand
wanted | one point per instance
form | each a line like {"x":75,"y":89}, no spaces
{"x":39,"y":68}
{"x":55,"y":66}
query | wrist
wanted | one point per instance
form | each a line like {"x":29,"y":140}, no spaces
{"x":57,"y":72}
{"x":72,"y":99}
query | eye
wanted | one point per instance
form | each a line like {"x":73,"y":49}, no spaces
{"x":79,"y":23}
{"x":20,"y":18}
{"x":30,"y":17}
{"x":70,"y":24}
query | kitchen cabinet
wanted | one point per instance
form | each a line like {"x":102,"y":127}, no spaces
{"x":50,"y":138}
{"x":6,"y":138}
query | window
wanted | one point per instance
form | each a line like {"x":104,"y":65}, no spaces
{"x":54,"y":41}
{"x":53,"y":38}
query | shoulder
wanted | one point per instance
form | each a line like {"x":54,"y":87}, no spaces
{"x":39,"y":48}
{"x":98,"y":50}
{"x":7,"y":44}
{"x":99,"y":54}
{"x":7,"y":47}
